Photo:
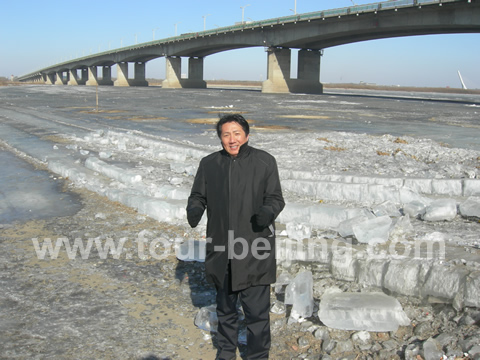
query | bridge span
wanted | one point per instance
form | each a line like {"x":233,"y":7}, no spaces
{"x":309,"y":32}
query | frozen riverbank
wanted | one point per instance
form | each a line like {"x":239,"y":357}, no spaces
{"x":338,"y":159}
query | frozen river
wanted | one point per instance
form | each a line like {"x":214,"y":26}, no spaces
{"x":339,"y":154}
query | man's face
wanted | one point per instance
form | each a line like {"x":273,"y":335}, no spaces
{"x":233,"y":136}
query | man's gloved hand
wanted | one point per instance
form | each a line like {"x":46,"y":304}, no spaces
{"x":194,"y":216}
{"x":264,"y":217}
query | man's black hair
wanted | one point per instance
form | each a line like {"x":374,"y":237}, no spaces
{"x":239,"y":119}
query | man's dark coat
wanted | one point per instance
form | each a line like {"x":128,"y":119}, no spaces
{"x":233,"y":189}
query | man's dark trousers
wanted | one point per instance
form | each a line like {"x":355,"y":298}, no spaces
{"x":255,"y":301}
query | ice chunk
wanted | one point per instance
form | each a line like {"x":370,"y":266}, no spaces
{"x":422,"y":186}
{"x":414,"y":208}
{"x":299,"y":293}
{"x":371,"y":272}
{"x":471,"y":187}
{"x":379,"y":193}
{"x":182,"y":168}
{"x":386,"y":208}
{"x":373,"y":231}
{"x":405,"y":276}
{"x":408,"y":195}
{"x":105,"y":154}
{"x":361,"y":337}
{"x":278,"y":307}
{"x":112,"y":171}
{"x":298,"y":231}
{"x":402,"y":228}
{"x":472,"y":290}
{"x":441,"y":209}
{"x":445,"y":281}
{"x":283,"y":280}
{"x":206,"y":318}
{"x":323,"y":216}
{"x":345,"y":227}
{"x":470,"y":207}
{"x":452,"y":187}
{"x":362,"y":311}
{"x":175,"y":181}
{"x":343,"y":265}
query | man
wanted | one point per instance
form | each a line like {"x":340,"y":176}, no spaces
{"x":240,"y":188}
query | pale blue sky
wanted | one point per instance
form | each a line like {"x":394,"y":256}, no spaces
{"x":35,"y":34}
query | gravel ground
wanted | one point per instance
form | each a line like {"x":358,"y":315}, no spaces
{"x":135,"y":308}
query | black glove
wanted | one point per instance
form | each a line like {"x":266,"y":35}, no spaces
{"x":264,"y":217}
{"x":194,"y":216}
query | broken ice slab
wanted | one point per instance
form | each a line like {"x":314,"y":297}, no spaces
{"x":299,"y":293}
{"x":471,"y":187}
{"x":405,"y":276}
{"x":373,"y":231}
{"x":298,"y":231}
{"x":472,"y":290}
{"x":445,"y":281}
{"x":402,"y":228}
{"x":374,"y":311}
{"x":470,"y":207}
{"x":282,"y":280}
{"x":440,"y":210}
{"x":345,"y":227}
{"x":451,"y":187}
{"x":386,"y":208}
{"x":414,"y":208}
{"x":112,"y":171}
{"x":206,"y":318}
{"x":371,"y":271}
{"x":191,"y":250}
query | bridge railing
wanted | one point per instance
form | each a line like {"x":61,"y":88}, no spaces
{"x":310,"y":16}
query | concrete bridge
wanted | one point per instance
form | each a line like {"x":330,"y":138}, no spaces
{"x":309,"y":32}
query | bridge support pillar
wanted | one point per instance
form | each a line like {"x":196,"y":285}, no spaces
{"x":173,"y":78}
{"x":122,"y":74}
{"x":195,"y":74}
{"x":74,"y":79}
{"x":106,"y":76}
{"x":94,"y":80}
{"x":278,"y":74}
{"x":92,"y":76}
{"x":308,"y":74}
{"x":139,"y":79}
{"x":278,"y":71}
{"x":173,"y":73}
{"x":49,"y":79}
{"x":139,"y":75}
{"x":59,"y":79}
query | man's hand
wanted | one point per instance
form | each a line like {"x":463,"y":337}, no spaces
{"x":194,"y":216}
{"x":264,"y":217}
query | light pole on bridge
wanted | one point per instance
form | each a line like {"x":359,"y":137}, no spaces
{"x":153,"y":33}
{"x":205,"y":21}
{"x":176,"y":28}
{"x":295,"y":8}
{"x":243,"y":11}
